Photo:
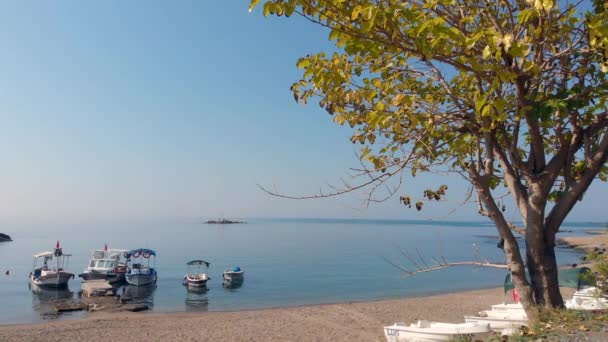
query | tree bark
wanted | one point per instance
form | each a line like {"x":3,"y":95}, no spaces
{"x":511,"y":247}
{"x":554,"y":295}
{"x":535,"y":243}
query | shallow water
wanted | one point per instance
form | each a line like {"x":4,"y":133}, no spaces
{"x":286,"y":262}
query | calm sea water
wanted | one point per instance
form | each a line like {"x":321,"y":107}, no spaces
{"x":286,"y":262}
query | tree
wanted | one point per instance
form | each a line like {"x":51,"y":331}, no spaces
{"x":506,"y":93}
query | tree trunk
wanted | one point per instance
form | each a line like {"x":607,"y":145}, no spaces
{"x":535,"y":243}
{"x":554,"y":296}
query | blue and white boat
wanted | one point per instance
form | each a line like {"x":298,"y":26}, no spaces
{"x":139,"y":270}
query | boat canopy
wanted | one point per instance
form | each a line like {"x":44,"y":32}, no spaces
{"x":44,"y":254}
{"x":141,"y":252}
{"x":198,"y":262}
{"x":571,"y":277}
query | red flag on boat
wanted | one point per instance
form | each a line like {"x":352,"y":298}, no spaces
{"x":57,"y":246}
{"x":105,"y":248}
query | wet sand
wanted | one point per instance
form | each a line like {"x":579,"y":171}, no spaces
{"x":332,"y":322}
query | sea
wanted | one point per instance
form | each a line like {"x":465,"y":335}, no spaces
{"x":287,"y":262}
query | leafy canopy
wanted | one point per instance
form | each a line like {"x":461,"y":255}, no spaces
{"x":496,"y":88}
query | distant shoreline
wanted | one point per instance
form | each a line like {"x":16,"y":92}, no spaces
{"x":595,"y":238}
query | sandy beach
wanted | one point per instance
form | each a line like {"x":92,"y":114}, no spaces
{"x":594,"y":239}
{"x":332,"y":322}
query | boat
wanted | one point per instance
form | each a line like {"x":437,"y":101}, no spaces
{"x":5,"y":238}
{"x":499,"y":320}
{"x":233,"y":278}
{"x":196,"y":277}
{"x":107,"y":264}
{"x":435,"y":331}
{"x":510,"y":316}
{"x":139,"y":271}
{"x":49,"y":275}
{"x":589,"y":298}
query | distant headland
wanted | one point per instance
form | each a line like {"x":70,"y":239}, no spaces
{"x":224,"y":221}
{"x":5,"y":238}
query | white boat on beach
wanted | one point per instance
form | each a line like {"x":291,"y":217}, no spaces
{"x":139,"y":271}
{"x":196,"y":277}
{"x":233,"y":278}
{"x":107,"y":264}
{"x":51,"y":275}
{"x":501,"y":316}
{"x":434,"y":331}
{"x":589,"y":298}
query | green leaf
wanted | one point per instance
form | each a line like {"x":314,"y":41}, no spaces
{"x":486,"y":52}
{"x":355,"y":13}
{"x":303,"y":63}
{"x":518,"y":50}
{"x":334,"y":34}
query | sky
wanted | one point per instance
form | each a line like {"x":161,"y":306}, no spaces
{"x":158,"y":109}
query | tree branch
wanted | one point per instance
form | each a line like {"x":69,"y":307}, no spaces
{"x":565,"y":204}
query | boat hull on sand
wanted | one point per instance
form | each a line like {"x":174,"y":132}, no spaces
{"x":589,"y":298}
{"x":433,"y":331}
{"x":498,"y":323}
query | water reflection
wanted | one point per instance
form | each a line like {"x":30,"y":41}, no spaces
{"x":196,"y":298}
{"x":45,"y":299}
{"x":139,"y":294}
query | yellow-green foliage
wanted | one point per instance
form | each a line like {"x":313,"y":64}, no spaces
{"x":599,"y":268}
{"x":560,"y":325}
{"x":434,"y":75}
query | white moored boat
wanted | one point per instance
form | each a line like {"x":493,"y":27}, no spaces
{"x":196,"y":277}
{"x":49,"y":275}
{"x":233,"y":278}
{"x":139,"y":271}
{"x":434,"y":331}
{"x":108,"y":264}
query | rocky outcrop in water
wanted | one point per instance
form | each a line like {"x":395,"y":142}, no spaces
{"x":4,"y":238}
{"x":223,"y":221}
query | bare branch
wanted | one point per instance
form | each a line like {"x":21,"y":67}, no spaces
{"x":451,"y":264}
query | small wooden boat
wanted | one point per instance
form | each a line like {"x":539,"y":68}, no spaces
{"x":196,"y":276}
{"x":139,"y":271}
{"x":233,"y":278}
{"x":51,"y":275}
{"x":434,"y":331}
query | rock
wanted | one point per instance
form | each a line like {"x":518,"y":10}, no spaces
{"x":223,"y":221}
{"x":135,"y":307}
{"x":5,"y":238}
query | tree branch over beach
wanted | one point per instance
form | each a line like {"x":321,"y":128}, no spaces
{"x":508,"y":94}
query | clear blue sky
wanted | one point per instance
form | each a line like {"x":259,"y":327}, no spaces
{"x":157,"y":109}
